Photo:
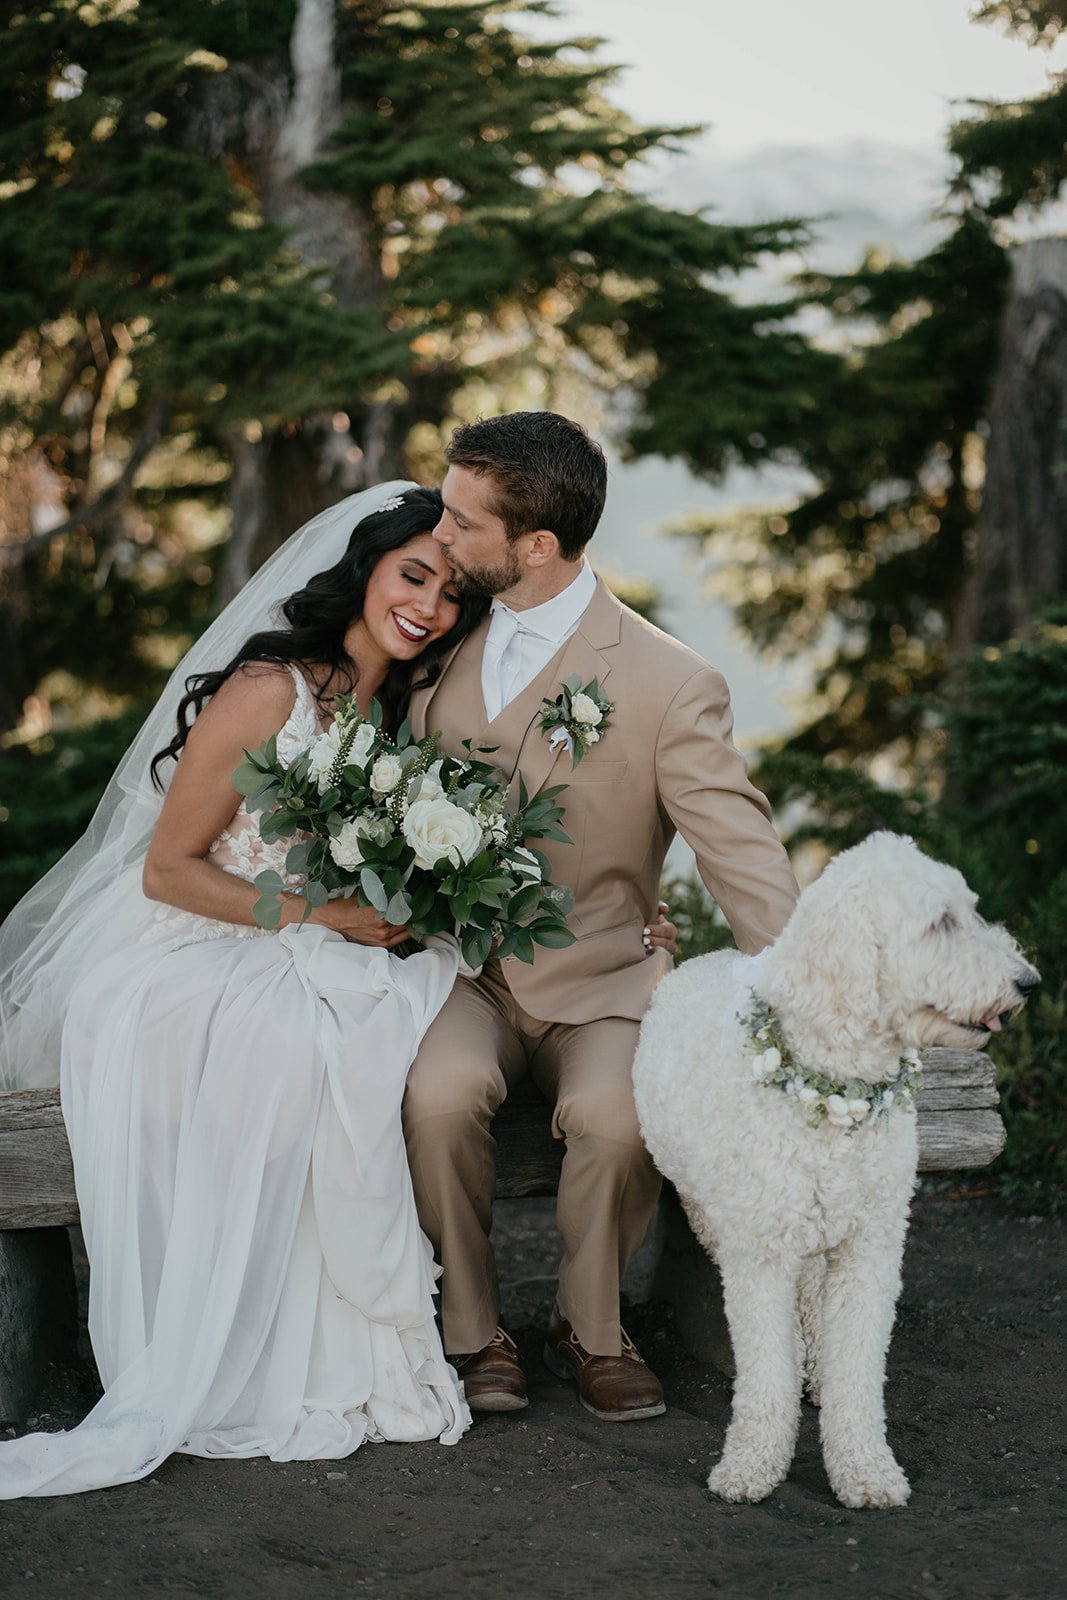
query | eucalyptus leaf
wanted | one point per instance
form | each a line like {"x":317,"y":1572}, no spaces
{"x":296,"y":860}
{"x":374,"y":889}
{"x":267,"y":911}
{"x":398,"y":910}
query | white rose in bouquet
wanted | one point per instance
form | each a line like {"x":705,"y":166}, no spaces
{"x":385,"y":774}
{"x":436,"y":829}
{"x":365,"y":737}
{"x":327,"y":747}
{"x":427,"y":785}
{"x":345,"y":846}
{"x":586,"y":710}
{"x":324,"y":753}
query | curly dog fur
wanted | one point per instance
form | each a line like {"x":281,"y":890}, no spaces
{"x":885,"y":952}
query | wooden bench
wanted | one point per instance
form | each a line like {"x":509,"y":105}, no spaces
{"x":959,"y":1126}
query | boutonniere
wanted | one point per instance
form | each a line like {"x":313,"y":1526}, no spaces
{"x":576,"y":717}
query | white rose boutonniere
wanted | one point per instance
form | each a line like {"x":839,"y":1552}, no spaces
{"x":577,"y":717}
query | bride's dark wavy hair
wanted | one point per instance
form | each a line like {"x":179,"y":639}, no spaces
{"x":319,"y":615}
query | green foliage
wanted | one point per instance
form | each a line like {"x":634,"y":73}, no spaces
{"x":48,"y":793}
{"x":1000,"y":819}
{"x":701,"y":925}
{"x":866,"y":569}
{"x":1006,"y":718}
{"x":157,"y":319}
{"x":1031,"y":1064}
{"x":1033,"y":21}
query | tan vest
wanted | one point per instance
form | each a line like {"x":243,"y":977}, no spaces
{"x":666,"y":761}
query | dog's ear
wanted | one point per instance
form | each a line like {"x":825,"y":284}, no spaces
{"x":825,"y":965}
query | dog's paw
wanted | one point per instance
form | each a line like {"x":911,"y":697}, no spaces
{"x":878,"y":1483}
{"x":739,"y":1480}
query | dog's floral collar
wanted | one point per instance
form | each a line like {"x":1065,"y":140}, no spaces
{"x":851,"y":1105}
{"x":577,"y":717}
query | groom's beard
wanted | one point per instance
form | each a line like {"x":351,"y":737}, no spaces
{"x":485,"y":581}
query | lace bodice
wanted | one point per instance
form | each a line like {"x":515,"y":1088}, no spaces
{"x":239,"y":848}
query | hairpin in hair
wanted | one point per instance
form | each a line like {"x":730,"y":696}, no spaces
{"x":391,"y":504}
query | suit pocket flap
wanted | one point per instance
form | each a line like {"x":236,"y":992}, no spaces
{"x":588,"y":771}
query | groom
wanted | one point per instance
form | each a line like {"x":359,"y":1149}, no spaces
{"x":522,"y":497}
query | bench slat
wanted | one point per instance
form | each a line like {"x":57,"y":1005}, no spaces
{"x":959,"y":1126}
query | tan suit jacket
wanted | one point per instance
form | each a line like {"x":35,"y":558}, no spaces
{"x":667,"y":763}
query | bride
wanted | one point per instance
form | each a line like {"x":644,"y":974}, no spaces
{"x":259,"y":1283}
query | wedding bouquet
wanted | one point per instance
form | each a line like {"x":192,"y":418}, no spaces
{"x":423,"y":838}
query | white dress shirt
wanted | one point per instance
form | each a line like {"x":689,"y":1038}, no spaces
{"x":520,"y":643}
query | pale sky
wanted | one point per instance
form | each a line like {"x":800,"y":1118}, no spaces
{"x":805,"y":71}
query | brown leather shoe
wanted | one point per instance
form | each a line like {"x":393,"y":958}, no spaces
{"x":492,"y":1377}
{"x":613,"y":1388}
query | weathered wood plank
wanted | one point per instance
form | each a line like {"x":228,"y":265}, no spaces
{"x":958,"y":1127}
{"x":958,"y":1066}
{"x":952,"y":1139}
{"x":30,"y":1108}
{"x":36,"y":1179}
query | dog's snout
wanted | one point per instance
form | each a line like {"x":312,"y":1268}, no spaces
{"x":1028,"y":982}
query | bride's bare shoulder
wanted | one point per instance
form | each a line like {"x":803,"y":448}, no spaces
{"x":256,"y":699}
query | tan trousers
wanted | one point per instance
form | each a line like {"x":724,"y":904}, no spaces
{"x":480,"y":1044}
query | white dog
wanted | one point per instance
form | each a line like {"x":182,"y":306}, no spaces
{"x":775,"y":1093}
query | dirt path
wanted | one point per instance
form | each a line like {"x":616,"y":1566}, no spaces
{"x":554,"y":1504}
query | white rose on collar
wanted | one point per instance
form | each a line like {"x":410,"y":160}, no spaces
{"x":585,"y":710}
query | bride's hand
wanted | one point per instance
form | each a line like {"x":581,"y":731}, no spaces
{"x":661,"y":934}
{"x":359,"y":924}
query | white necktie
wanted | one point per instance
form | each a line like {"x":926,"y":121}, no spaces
{"x":500,"y":660}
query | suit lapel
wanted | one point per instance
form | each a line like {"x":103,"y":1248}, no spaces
{"x":581,"y":656}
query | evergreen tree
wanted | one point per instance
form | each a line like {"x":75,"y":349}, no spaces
{"x":257,"y":255}
{"x":867,"y":571}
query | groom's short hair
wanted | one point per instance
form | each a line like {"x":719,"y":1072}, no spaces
{"x":546,"y":472}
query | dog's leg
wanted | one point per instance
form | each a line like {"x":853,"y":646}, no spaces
{"x":812,"y":1278}
{"x":859,"y":1303}
{"x":761,"y":1307}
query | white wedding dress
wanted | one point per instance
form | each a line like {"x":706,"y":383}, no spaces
{"x":259,"y":1282}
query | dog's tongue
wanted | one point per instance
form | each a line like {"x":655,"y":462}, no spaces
{"x":991,"y":1021}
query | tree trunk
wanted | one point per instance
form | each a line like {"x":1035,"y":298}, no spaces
{"x":300,"y":469}
{"x":1020,"y":558}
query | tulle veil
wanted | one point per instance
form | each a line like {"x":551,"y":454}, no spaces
{"x":91,"y":903}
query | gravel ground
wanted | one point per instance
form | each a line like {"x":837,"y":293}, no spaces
{"x":551,"y":1503}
